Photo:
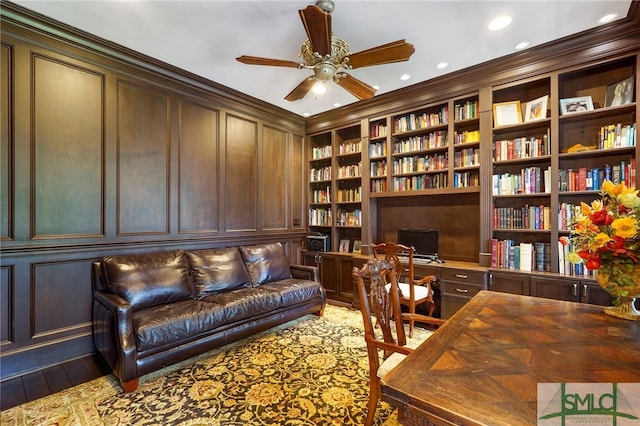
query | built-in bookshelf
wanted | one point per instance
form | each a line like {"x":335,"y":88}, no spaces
{"x":534,"y":170}
{"x":420,"y":150}
{"x":335,"y":184}
{"x":320,"y":183}
{"x":466,"y":142}
{"x":572,"y":149}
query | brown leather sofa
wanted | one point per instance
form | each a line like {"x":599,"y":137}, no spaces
{"x":155,"y":309}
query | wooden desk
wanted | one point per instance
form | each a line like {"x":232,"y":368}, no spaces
{"x":483,"y":366}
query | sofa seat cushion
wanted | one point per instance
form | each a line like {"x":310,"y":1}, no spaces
{"x":149,"y":279}
{"x":266,"y":263}
{"x":293,"y":290}
{"x":164,"y":325}
{"x":243,"y":303}
{"x":218,"y":270}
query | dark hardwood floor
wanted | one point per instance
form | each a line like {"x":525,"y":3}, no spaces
{"x":29,"y":387}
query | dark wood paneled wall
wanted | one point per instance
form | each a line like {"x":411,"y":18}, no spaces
{"x":105,"y":151}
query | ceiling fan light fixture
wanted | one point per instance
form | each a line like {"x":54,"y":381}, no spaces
{"x":329,"y":57}
{"x":319,"y":88}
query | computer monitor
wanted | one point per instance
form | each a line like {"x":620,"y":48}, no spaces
{"x":424,"y":241}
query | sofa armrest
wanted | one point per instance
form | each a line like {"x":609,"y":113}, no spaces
{"x":113,"y":334}
{"x":305,"y":272}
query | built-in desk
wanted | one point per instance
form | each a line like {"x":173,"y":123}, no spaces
{"x":483,"y":365}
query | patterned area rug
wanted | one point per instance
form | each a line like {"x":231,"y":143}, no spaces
{"x":311,"y":371}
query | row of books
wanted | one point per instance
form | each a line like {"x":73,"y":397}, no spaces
{"x":320,"y":174}
{"x":378,"y":149}
{"x":321,"y":195}
{"x":583,"y":179}
{"x":320,"y":152}
{"x":378,"y":130}
{"x":319,"y":217}
{"x":423,"y":120}
{"x":415,"y":183}
{"x":418,"y":143}
{"x":524,"y":256}
{"x":467,"y":157}
{"x":465,"y":179}
{"x":378,"y":168}
{"x":427,"y":163}
{"x":466,"y":137}
{"x":617,"y":136}
{"x":525,"y":147}
{"x":530,"y":180}
{"x":536,"y":256}
{"x":349,"y":195}
{"x":567,"y":268}
{"x":349,"y":148}
{"x":567,"y":213}
{"x":379,"y":185}
{"x":466,"y":110}
{"x":350,"y":170}
{"x":349,"y":217}
{"x":525,"y":217}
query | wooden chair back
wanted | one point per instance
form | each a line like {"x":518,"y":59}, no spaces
{"x":410,"y":296}
{"x":382,"y":308}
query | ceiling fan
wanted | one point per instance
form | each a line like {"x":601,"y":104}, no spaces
{"x":329,"y":56}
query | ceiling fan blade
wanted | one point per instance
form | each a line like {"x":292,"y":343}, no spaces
{"x":301,"y":89}
{"x":255,"y":60}
{"x":396,"y":51}
{"x":317,"y":24}
{"x":357,"y":88}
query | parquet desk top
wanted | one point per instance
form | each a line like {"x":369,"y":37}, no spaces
{"x":483,"y":366}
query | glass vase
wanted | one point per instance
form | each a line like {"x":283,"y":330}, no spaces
{"x":623,"y":283}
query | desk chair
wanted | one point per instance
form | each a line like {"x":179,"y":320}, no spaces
{"x":412,"y":291}
{"x":384,"y":306}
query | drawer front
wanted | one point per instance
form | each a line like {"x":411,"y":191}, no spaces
{"x":463,"y":275}
{"x":461,"y":288}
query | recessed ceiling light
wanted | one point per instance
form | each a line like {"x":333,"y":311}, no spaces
{"x":500,"y":22}
{"x":375,"y":86}
{"x":337,"y":104}
{"x":442,"y":65}
{"x":522,"y":45}
{"x":306,"y":114}
{"x":607,"y":18}
{"x":405,"y":77}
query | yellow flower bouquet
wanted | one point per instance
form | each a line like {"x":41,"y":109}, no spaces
{"x":605,"y":237}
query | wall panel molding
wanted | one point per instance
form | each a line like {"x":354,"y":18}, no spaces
{"x":199,"y":177}
{"x":106,"y":152}
{"x":144,"y":160}
{"x":6,"y":142}
{"x":68,"y":150}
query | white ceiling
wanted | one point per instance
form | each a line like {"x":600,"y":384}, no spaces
{"x":204,"y":37}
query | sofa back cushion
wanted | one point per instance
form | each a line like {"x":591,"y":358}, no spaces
{"x":266,"y":262}
{"x":217,"y":270}
{"x":149,"y":279}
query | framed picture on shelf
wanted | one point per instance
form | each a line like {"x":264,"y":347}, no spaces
{"x":344,"y":246}
{"x":505,"y":113}
{"x":579,"y":104}
{"x":620,"y":93}
{"x":536,"y":109}
{"x":356,"y":246}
